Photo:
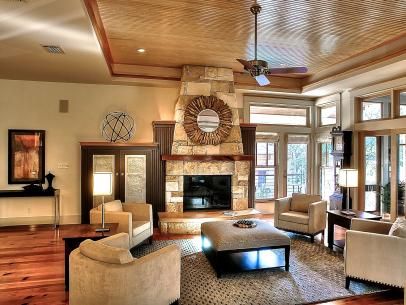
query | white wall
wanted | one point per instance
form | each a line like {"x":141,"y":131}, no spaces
{"x":34,"y":105}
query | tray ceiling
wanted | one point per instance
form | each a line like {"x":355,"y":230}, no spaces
{"x":317,"y":33}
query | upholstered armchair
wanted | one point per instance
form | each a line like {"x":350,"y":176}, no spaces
{"x":104,"y":272}
{"x":135,"y":219}
{"x":372,"y":255}
{"x":301,"y":213}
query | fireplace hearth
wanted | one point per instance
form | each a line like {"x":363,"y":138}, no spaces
{"x":206,"y":192}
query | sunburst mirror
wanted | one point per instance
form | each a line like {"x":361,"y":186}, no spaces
{"x":208,"y":120}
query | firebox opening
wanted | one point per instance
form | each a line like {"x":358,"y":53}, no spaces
{"x":206,"y":192}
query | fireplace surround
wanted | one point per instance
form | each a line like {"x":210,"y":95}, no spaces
{"x":191,"y":158}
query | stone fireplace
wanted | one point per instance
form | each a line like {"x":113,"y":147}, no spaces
{"x":188,"y":158}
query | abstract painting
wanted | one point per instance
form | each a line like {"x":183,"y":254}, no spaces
{"x":26,"y":155}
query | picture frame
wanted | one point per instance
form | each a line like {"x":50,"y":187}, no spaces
{"x":26,"y":156}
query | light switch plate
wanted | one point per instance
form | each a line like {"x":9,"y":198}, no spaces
{"x":63,"y":165}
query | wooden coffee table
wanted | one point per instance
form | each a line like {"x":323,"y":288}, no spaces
{"x":335,"y":217}
{"x":78,"y":233}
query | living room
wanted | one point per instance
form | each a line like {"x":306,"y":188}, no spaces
{"x":258,"y":147}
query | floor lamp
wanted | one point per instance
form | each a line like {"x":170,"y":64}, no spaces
{"x":102,"y":186}
{"x":348,"y":178}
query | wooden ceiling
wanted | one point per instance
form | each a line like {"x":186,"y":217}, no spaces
{"x":316,"y":33}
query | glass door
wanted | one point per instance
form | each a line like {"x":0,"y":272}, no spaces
{"x":265,"y":171}
{"x":296,"y":178}
{"x":105,"y":163}
{"x":401,"y":178}
{"x":133,"y":176}
{"x":377,"y":161}
{"x":327,"y":179}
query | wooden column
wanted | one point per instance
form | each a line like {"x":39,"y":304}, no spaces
{"x":163,"y":136}
{"x":248,"y":134}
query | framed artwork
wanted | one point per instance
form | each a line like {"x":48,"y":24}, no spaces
{"x":26,"y":156}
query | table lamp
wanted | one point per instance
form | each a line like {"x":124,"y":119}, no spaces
{"x":348,"y":178}
{"x":102,"y":186}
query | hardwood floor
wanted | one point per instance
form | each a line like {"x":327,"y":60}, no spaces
{"x":32,"y":268}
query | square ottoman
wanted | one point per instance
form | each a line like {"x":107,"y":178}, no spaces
{"x":225,"y":245}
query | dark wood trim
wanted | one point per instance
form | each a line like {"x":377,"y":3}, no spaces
{"x":207,"y":157}
{"x":114,"y":145}
{"x":248,"y":137}
{"x":163,"y":123}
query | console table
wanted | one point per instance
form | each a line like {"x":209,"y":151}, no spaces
{"x":44,"y":193}
{"x":335,"y":217}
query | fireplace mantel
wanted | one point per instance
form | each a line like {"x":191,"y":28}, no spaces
{"x":207,"y":157}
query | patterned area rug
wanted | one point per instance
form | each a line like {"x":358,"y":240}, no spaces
{"x":316,"y":274}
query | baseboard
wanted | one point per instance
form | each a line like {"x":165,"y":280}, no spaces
{"x":15,"y":221}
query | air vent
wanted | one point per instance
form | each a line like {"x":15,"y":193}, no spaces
{"x":53,"y":49}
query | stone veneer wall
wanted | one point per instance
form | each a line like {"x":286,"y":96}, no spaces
{"x":219,"y":82}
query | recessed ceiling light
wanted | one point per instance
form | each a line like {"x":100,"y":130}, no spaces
{"x":141,"y":50}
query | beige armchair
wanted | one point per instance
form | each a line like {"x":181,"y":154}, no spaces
{"x":301,"y":213}
{"x":104,"y":272}
{"x":372,"y":255}
{"x":135,"y":219}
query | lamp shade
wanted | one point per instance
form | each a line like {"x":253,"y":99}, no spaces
{"x":102,"y":184}
{"x":348,"y":177}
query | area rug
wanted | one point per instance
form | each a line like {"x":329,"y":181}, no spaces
{"x":316,"y":275}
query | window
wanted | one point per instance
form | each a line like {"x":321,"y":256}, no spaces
{"x":328,"y":115}
{"x":265,"y":187}
{"x":376,"y":108}
{"x":276,"y":115}
{"x":327,"y":182}
{"x":402,"y":101}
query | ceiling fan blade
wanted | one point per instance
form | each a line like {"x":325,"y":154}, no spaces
{"x":262,"y":80}
{"x":287,"y":70}
{"x":247,"y":65}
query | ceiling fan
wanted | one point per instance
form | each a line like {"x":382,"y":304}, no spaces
{"x":258,"y":68}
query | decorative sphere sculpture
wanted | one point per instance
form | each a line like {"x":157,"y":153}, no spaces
{"x":118,"y":126}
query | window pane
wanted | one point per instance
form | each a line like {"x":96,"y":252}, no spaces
{"x":370,"y":161}
{"x":376,"y":108}
{"x":264,"y":183}
{"x":297,"y":168}
{"x":261,"y":153}
{"x":402,"y":103}
{"x":328,"y":115}
{"x":278,"y":115}
{"x":271,"y":154}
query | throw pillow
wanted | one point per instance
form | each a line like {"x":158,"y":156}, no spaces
{"x":104,"y":253}
{"x":398,"y":228}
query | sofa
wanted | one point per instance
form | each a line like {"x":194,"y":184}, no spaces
{"x":301,"y":213}
{"x":373,"y":255}
{"x":135,"y":219}
{"x":104,"y":272}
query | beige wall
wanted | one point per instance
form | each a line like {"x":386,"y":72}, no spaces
{"x":34,"y":105}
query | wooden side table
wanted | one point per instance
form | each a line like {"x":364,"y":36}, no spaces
{"x":78,"y":233}
{"x":335,"y":217}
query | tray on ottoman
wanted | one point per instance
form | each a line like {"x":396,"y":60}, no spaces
{"x":230,"y":248}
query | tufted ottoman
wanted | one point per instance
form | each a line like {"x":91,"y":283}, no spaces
{"x":227,"y":246}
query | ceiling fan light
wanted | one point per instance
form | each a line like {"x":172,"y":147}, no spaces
{"x":262,"y":80}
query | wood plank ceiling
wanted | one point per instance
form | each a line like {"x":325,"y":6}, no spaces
{"x":316,"y":33}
